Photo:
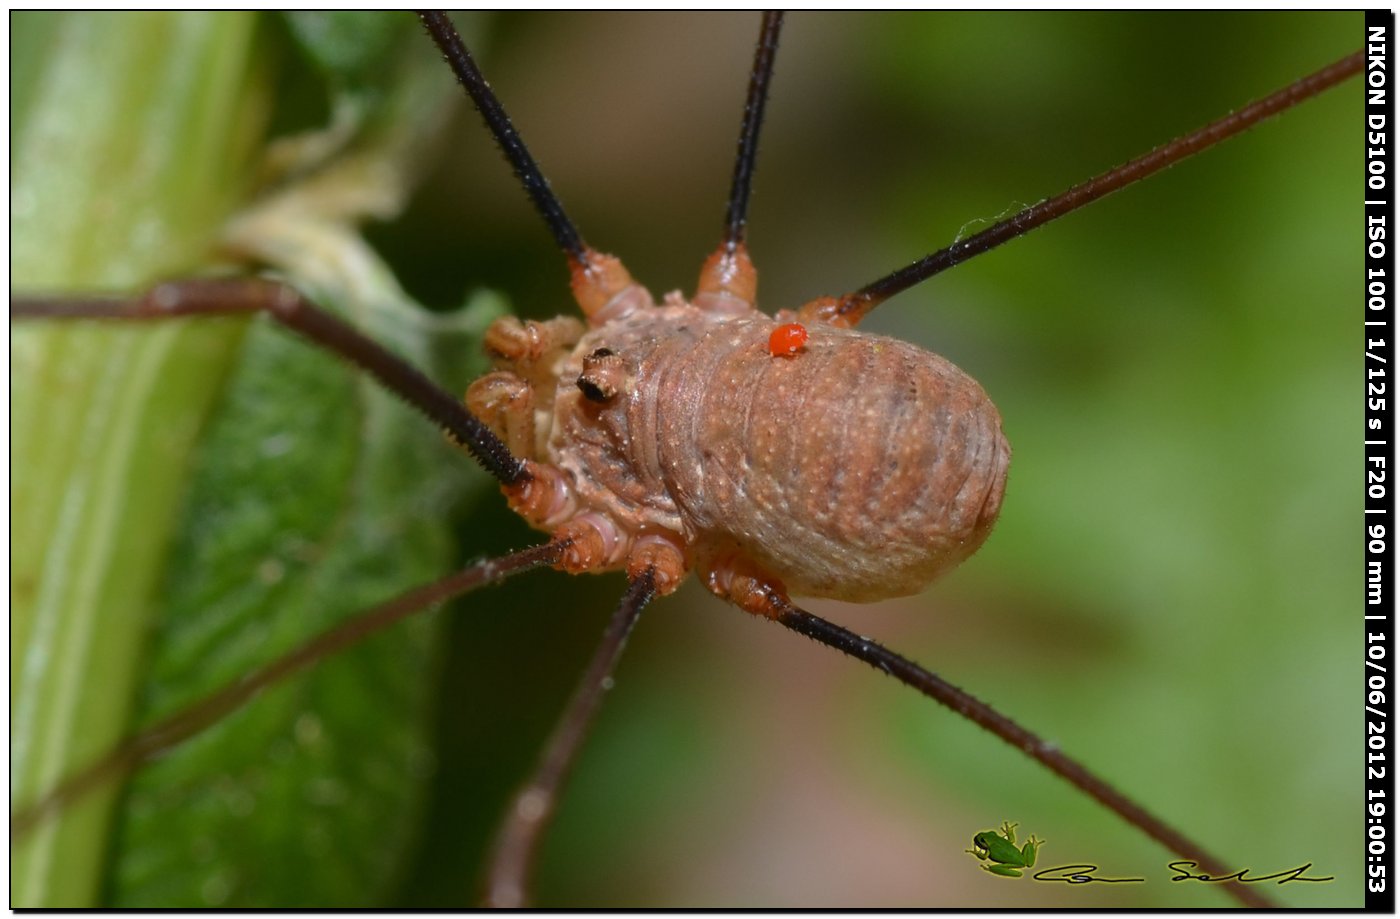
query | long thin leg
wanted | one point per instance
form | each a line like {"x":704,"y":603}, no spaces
{"x":728,"y":281}
{"x":850,"y":308}
{"x":601,"y":285}
{"x":736,"y":218}
{"x":189,"y":721}
{"x":518,"y":839}
{"x":982,"y":714}
{"x":440,"y":27}
{"x":254,"y":295}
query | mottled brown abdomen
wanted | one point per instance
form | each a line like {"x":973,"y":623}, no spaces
{"x":861,"y":468}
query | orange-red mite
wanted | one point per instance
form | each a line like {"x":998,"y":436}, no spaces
{"x":787,"y":339}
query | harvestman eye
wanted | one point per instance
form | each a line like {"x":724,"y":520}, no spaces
{"x":603,"y":376}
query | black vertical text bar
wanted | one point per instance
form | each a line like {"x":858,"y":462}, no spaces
{"x":1379,"y":386}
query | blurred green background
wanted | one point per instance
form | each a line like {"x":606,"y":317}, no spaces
{"x":1170,"y":594}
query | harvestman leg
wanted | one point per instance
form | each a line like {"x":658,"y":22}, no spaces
{"x":284,"y":304}
{"x":601,"y":285}
{"x":189,"y":721}
{"x":848,"y":309}
{"x":518,"y":838}
{"x":728,"y":281}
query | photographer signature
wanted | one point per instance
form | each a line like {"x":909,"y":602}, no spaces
{"x":1000,"y":855}
{"x":1086,"y":874}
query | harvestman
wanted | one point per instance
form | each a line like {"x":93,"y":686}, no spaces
{"x":600,"y":284}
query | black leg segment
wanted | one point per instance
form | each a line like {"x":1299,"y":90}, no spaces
{"x":288,"y":307}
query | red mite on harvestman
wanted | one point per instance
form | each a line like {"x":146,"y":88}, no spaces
{"x":665,"y":450}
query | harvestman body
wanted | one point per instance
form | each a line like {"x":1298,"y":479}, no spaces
{"x":700,"y":435}
{"x":687,"y":443}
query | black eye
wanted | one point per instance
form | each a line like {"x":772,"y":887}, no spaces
{"x":592,"y":391}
